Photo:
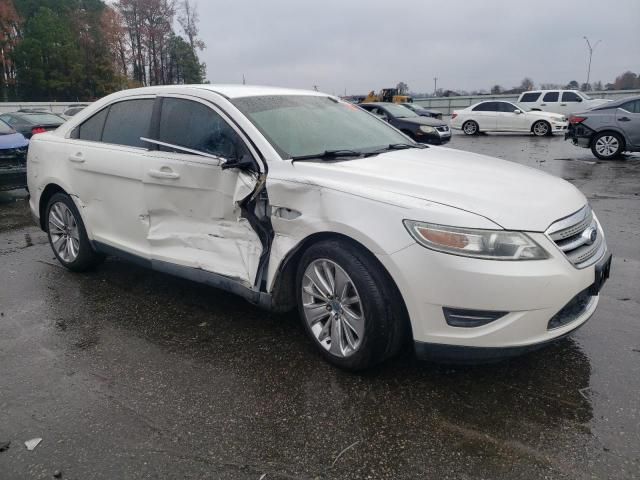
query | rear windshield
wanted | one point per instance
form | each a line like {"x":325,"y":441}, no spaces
{"x":44,"y":119}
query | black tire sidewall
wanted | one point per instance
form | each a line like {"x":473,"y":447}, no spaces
{"x":604,"y":134}
{"x":87,"y":257}
{"x":376,"y":303}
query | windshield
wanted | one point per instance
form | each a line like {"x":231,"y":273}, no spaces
{"x":298,"y":125}
{"x":44,"y":119}
{"x":585,"y":96}
{"x":399,"y":111}
{"x":5,"y":129}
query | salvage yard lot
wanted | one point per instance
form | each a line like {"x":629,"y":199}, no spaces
{"x":127,"y":373}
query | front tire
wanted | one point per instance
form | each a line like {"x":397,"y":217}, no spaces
{"x":347,"y":306}
{"x":68,"y":236}
{"x":607,"y":145}
{"x":541,"y":128}
{"x":470,"y":128}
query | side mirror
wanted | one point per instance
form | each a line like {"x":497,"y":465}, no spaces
{"x":517,"y":111}
{"x":579,"y":99}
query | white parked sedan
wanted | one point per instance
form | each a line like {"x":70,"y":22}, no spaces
{"x":296,"y":199}
{"x":501,"y":116}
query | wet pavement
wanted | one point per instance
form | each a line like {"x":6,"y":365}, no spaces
{"x":127,"y":373}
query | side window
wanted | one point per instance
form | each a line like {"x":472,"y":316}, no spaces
{"x":127,"y":121}
{"x":631,"y":107}
{"x":530,"y":96}
{"x":195,"y":126}
{"x":487,"y":107}
{"x":92,"y":128}
{"x":10,"y":120}
{"x":507,"y":107}
{"x":571,"y":97}
{"x":551,"y":97}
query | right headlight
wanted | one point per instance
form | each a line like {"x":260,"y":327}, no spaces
{"x":476,"y":243}
{"x":427,"y":129}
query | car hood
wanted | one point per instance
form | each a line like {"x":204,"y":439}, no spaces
{"x":513,"y":196}
{"x":432,"y":122}
{"x":13,"y":140}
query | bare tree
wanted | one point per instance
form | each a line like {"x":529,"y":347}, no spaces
{"x":188,"y":19}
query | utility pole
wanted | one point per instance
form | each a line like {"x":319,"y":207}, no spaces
{"x":243,"y":80}
{"x":591,"y":50}
{"x":435,"y":85}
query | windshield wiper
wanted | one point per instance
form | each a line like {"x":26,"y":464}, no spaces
{"x":396,"y":146}
{"x":328,"y":155}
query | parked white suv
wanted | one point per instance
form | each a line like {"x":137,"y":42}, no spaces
{"x":565,"y":102}
{"x":296,"y":199}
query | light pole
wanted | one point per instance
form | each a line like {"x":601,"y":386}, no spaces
{"x":435,"y":85}
{"x":591,"y":50}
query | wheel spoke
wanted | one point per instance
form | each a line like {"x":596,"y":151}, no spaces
{"x":316,"y":312}
{"x":336,"y":337}
{"x":355,"y":325}
{"x":326,"y":288}
{"x":348,"y":335}
{"x":315,"y":292}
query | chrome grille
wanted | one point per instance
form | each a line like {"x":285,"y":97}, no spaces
{"x":443,"y":128}
{"x":579,"y":237}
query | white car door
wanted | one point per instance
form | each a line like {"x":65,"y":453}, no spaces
{"x":551,"y":102}
{"x":508,"y":120}
{"x":193,"y":212}
{"x":486,"y":115}
{"x":106,"y":157}
{"x":570,"y":102}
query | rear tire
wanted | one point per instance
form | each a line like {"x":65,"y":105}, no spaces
{"x":68,"y":236}
{"x":470,"y":127}
{"x":607,"y":145}
{"x":348,"y":306}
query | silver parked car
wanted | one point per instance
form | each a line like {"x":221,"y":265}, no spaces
{"x":608,"y":130}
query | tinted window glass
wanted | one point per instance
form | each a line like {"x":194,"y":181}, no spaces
{"x":128,"y":121}
{"x":486,"y":107}
{"x":551,"y":97}
{"x":196,"y":126}
{"x":5,"y":129}
{"x":570,"y":97}
{"x":633,"y":107}
{"x":530,"y":97}
{"x":507,"y":107}
{"x":92,"y":128}
{"x":44,"y":119}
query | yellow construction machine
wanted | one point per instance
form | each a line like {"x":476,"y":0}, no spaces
{"x":387,"y":95}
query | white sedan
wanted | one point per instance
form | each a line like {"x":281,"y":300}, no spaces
{"x":501,"y":116}
{"x":298,"y":200}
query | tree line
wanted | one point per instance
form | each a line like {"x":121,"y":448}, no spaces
{"x":81,"y":50}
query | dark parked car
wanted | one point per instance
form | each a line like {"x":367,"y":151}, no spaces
{"x":423,"y":112}
{"x":13,"y":158}
{"x":421,"y":129}
{"x":608,"y":130}
{"x":30,"y":123}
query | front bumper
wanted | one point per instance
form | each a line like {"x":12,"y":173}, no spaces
{"x":13,"y":178}
{"x":531,"y":292}
{"x":435,"y":138}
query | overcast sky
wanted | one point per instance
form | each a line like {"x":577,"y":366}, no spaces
{"x":359,"y":45}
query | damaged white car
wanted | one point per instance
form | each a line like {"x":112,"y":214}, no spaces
{"x":296,"y":199}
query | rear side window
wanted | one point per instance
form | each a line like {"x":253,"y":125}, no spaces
{"x":571,"y":97}
{"x":486,"y":107}
{"x":127,"y":121}
{"x":530,"y":97}
{"x":192,"y":125}
{"x":92,"y":128}
{"x":632,"y":107}
{"x":507,"y":107}
{"x":551,"y":97}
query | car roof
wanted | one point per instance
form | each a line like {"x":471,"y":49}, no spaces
{"x":617,"y":103}
{"x":229,"y":91}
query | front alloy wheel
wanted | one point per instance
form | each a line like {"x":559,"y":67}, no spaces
{"x":63,"y":229}
{"x":332,"y":308}
{"x":470,"y":127}
{"x":541,"y":128}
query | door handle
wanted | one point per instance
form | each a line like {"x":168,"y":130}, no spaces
{"x":543,"y":104}
{"x":624,"y":119}
{"x":165,"y":173}
{"x":563,"y":104}
{"x":76,"y":158}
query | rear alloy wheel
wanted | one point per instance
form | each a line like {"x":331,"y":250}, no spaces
{"x":541,"y":128}
{"x":348,"y":305}
{"x":470,"y":127}
{"x":606,"y":145}
{"x":67,"y":235}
